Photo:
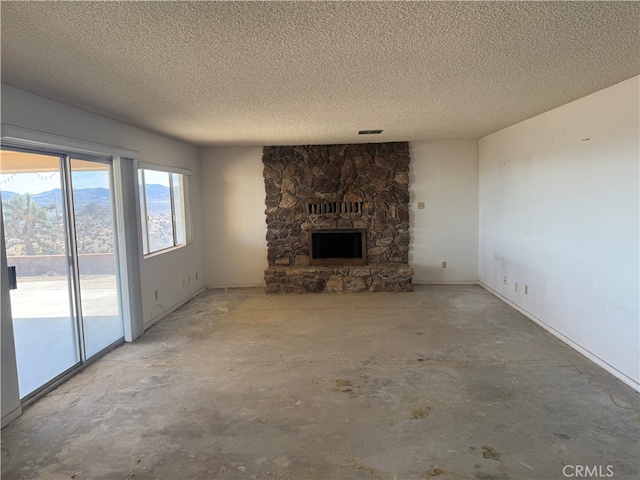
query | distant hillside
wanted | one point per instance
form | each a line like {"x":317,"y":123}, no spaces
{"x":94,"y":230}
{"x":157,"y":198}
{"x":8,"y":195}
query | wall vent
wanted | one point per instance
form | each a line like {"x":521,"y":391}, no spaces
{"x":334,"y":207}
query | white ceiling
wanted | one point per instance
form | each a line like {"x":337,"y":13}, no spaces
{"x":278,"y":73}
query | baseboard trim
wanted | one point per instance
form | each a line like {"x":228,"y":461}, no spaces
{"x":11,"y":416}
{"x":237,"y":285}
{"x":182,"y":302}
{"x":563,"y":338}
{"x":173,"y":308}
{"x":443,"y":282}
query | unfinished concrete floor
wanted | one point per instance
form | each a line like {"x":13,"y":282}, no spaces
{"x":446,"y":382}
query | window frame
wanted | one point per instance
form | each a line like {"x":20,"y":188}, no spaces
{"x":183,"y":183}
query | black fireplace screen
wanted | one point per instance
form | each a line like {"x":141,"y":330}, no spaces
{"x":338,"y":247}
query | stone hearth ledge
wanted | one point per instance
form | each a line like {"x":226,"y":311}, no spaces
{"x":382,"y":277}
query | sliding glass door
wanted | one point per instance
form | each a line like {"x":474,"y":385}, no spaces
{"x":35,"y":225}
{"x":96,"y":247}
{"x":61,"y":246}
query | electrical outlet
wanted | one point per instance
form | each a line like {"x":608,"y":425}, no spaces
{"x":516,"y":285}
{"x":420,"y":205}
{"x":504,"y":280}
{"x":444,"y":264}
{"x":156,"y":294}
{"x":526,"y":289}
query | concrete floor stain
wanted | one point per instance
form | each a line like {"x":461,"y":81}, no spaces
{"x":489,"y":452}
{"x":421,"y":412}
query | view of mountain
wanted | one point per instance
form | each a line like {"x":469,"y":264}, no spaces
{"x":157,"y":198}
{"x":37,"y":229}
{"x":8,"y":195}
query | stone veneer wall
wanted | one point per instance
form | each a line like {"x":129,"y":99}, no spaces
{"x":337,"y":186}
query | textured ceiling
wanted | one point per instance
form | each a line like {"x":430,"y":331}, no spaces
{"x":278,"y":73}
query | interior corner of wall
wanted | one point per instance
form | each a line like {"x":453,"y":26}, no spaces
{"x":11,"y":416}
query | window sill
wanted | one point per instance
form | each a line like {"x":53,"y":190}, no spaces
{"x":163,"y":251}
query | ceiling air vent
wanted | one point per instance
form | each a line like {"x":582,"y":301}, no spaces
{"x":369,"y":132}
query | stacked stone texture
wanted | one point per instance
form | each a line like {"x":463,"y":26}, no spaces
{"x":375,"y":174}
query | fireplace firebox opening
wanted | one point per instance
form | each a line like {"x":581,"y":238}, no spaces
{"x":338,"y":247}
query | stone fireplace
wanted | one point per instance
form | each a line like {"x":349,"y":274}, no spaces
{"x":336,"y":192}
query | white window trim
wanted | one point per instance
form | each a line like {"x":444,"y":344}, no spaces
{"x":165,"y":250}
{"x":186,"y":214}
{"x":25,"y":137}
{"x":165,"y":168}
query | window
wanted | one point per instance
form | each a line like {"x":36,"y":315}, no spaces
{"x":162,"y":207}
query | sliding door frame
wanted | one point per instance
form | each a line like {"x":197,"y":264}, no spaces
{"x":74,"y":267}
{"x":124,"y":183}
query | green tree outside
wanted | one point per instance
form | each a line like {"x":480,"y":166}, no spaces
{"x":30,"y":223}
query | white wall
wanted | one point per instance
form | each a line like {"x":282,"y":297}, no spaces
{"x":163,"y":272}
{"x":233,"y":220}
{"x":444,"y":175}
{"x":559,"y":213}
